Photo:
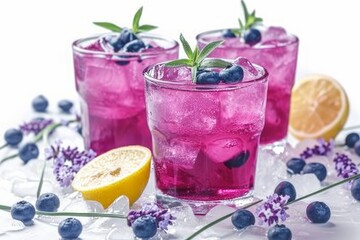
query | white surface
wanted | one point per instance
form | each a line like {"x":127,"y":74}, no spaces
{"x":36,"y":55}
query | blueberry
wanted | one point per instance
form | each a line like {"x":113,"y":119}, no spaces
{"x":207,"y":77}
{"x":232,"y":74}
{"x":242,"y":218}
{"x":279,"y":232}
{"x":48,"y":202}
{"x":238,"y":160}
{"x":70,"y":228}
{"x":23,"y":211}
{"x":227,"y":33}
{"x":122,"y":62}
{"x":144,"y":227}
{"x":13,"y":136}
{"x":28,"y":151}
{"x":252,"y":36}
{"x":357,"y":148}
{"x":355,"y":189}
{"x":295,"y":165}
{"x":318,"y":212}
{"x":351,"y":139}
{"x":123,"y":38}
{"x":134,"y":46}
{"x":40,"y":103}
{"x":286,"y":188}
{"x":316,"y":168}
{"x":65,"y":105}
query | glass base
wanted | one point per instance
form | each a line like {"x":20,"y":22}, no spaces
{"x":202,"y":207}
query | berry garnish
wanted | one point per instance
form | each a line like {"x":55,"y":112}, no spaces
{"x":13,"y":136}
{"x":357,"y":148}
{"x":24,"y":212}
{"x":242,"y":218}
{"x":318,"y":212}
{"x":65,"y":105}
{"x":227,"y":33}
{"x":238,"y":160}
{"x":207,"y":77}
{"x":70,"y":228}
{"x":144,"y":227}
{"x":252,"y":36}
{"x":286,"y":188}
{"x":351,"y":139}
{"x":279,"y":232}
{"x":295,"y":165}
{"x":355,"y":189}
{"x":232,"y":74}
{"x":316,"y":168}
{"x":40,"y":103}
{"x":134,"y":46}
{"x":48,"y":202}
{"x":28,"y":152}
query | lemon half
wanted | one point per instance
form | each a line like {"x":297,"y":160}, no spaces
{"x":319,"y":108}
{"x":121,"y":171}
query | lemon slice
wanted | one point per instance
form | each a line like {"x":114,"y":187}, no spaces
{"x":121,"y":171}
{"x":319,"y":108}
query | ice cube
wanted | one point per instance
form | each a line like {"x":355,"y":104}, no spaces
{"x":273,"y":36}
{"x":23,"y":188}
{"x":11,"y":226}
{"x":172,"y":74}
{"x":223,"y":149}
{"x":249,"y":70}
{"x":304,"y":184}
{"x":184,"y":150}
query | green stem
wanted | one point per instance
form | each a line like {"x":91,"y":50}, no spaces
{"x":41,"y":180}
{"x":8,"y":158}
{"x":73,"y":214}
{"x":3,"y":146}
{"x":219,"y":220}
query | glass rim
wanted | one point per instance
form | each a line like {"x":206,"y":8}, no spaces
{"x":76,"y":48}
{"x":292,"y":42}
{"x":204,"y":87}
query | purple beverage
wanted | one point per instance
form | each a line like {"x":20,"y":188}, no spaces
{"x":205,"y":134}
{"x":272,"y":48}
{"x":109,"y":80}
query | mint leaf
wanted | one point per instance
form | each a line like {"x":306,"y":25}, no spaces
{"x":178,"y":63}
{"x":195,"y":55}
{"x":146,"y":28}
{"x":246,"y":12}
{"x":194,"y":73}
{"x":207,"y":50}
{"x":186,"y":47}
{"x":136,"y":20}
{"x":215,"y":63}
{"x":251,"y":20}
{"x":109,"y":26}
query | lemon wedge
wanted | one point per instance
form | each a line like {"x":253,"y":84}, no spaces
{"x":121,"y":171}
{"x":319,"y":108}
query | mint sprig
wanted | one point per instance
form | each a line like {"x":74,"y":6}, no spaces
{"x":197,"y":58}
{"x":250,"y":20}
{"x":136,"y":27}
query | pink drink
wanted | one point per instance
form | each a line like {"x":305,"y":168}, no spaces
{"x":205,"y":137}
{"x":111,"y":87}
{"x":277,"y":52}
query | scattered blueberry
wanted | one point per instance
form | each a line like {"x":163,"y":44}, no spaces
{"x":351,"y":139}
{"x":238,"y":160}
{"x":318,"y":212}
{"x":70,"y":228}
{"x":355,"y":189}
{"x":144,"y":227}
{"x":134,"y":46}
{"x":252,"y":36}
{"x":13,"y":136}
{"x":40,"y":103}
{"x":65,"y":105}
{"x":23,"y":211}
{"x":28,"y":151}
{"x":279,"y":232}
{"x":242,"y":218}
{"x":48,"y":202}
{"x":357,"y":148}
{"x":316,"y":168}
{"x":286,"y":188}
{"x":207,"y":77}
{"x":232,"y":74}
{"x":227,"y":33}
{"x":295,"y":165}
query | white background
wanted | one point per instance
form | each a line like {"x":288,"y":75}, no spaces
{"x":36,"y":38}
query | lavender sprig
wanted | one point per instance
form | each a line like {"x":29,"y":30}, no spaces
{"x":35,"y":126}
{"x":344,"y":166}
{"x":162,"y":217}
{"x":273,"y":210}
{"x":323,"y":148}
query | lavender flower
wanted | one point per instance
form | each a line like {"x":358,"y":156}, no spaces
{"x":36,"y":125}
{"x":67,"y":161}
{"x":344,"y":166}
{"x":273,"y":210}
{"x":323,"y":148}
{"x":162,"y":216}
